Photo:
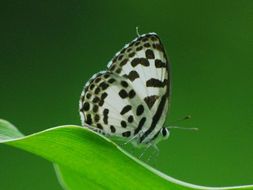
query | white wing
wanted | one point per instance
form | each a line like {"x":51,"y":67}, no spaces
{"x":133,"y":95}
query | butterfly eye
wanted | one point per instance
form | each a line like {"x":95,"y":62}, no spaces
{"x":165,"y":132}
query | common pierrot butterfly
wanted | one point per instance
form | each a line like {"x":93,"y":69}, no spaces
{"x":130,"y":99}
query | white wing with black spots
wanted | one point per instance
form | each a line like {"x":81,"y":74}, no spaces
{"x":131,"y":98}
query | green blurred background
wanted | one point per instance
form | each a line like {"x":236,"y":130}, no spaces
{"x":48,"y":49}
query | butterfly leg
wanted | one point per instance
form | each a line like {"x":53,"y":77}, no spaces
{"x":131,"y":139}
{"x":134,"y":137}
{"x":145,"y":150}
{"x":155,"y":153}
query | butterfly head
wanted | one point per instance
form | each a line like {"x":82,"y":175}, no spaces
{"x":164,"y":133}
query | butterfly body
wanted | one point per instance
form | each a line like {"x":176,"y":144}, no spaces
{"x":130,"y":99}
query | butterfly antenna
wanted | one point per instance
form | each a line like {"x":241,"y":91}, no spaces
{"x":182,"y":119}
{"x":184,"y":128}
{"x":137,"y":31}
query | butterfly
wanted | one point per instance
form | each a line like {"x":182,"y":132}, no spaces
{"x":130,"y":99}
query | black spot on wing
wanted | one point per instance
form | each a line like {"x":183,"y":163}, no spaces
{"x":86,"y":107}
{"x":144,"y":38}
{"x":97,"y":90}
{"x":98,"y":79}
{"x":112,"y":67}
{"x":124,"y":84}
{"x":95,"y":99}
{"x":160,"y":64}
{"x":126,"y":134}
{"x":91,"y":86}
{"x":150,"y":54}
{"x":131,"y":54}
{"x":112,"y":128}
{"x":131,"y":93}
{"x":99,"y":126}
{"x":150,"y":100}
{"x":118,"y":70}
{"x":155,"y":118}
{"x":122,"y":63}
{"x":132,"y":76}
{"x":130,"y":119}
{"x":156,"y":83}
{"x":147,"y":45}
{"x":104,"y":95}
{"x":103,"y":85}
{"x":88,"y":95}
{"x":123,"y":124}
{"x":120,"y":57}
{"x":159,"y":47}
{"x":126,"y":109}
{"x":137,"y":43}
{"x":154,"y":37}
{"x":105,"y":114}
{"x":139,"y":110}
{"x":82,"y":98}
{"x":96,"y":118}
{"x":140,"y":125}
{"x":129,"y":49}
{"x":95,"y":108}
{"x":106,"y":75}
{"x":139,"y":48}
{"x":123,"y":93}
{"x":111,"y":80}
{"x":141,"y":61}
{"x":101,"y":103}
{"x":88,"y":119}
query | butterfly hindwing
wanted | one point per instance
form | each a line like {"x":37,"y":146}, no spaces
{"x":109,"y":105}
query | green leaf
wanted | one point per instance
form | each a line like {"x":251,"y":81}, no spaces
{"x":84,"y":159}
{"x":8,"y":131}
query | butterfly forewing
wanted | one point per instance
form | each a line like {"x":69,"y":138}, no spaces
{"x":143,"y":62}
{"x":130,"y":99}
